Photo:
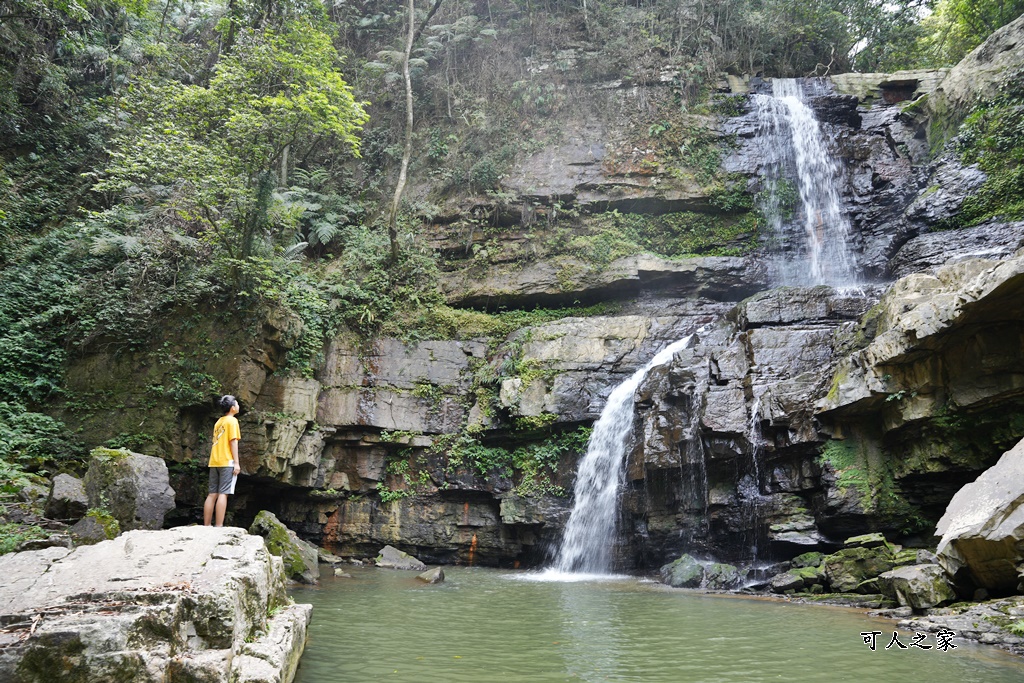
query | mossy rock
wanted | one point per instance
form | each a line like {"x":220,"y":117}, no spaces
{"x":810,"y":575}
{"x":301,"y":559}
{"x":849,"y":568}
{"x":811,"y":559}
{"x":686,"y":572}
{"x":874,"y":540}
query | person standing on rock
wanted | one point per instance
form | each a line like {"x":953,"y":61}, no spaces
{"x":224,"y":467}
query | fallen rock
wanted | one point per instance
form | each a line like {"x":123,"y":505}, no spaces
{"x":185,"y":604}
{"x":67,"y":500}
{"x":919,"y":586}
{"x":393,"y":558}
{"x":983,"y":527}
{"x":301,"y":559}
{"x":435,"y":575}
{"x":134,"y":488}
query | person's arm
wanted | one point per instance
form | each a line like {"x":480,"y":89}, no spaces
{"x":234,"y":455}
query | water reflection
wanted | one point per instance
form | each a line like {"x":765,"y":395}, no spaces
{"x":590,"y":619}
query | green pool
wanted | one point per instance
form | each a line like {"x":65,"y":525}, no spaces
{"x":486,"y":625}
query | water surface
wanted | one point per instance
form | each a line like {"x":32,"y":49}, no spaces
{"x":484,"y":626}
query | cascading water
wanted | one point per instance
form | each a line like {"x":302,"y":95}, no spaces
{"x":802,"y":204}
{"x":590,"y":533}
{"x":801,"y":197}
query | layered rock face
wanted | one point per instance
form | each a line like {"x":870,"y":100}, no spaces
{"x":194,"y":603}
{"x":795,"y":419}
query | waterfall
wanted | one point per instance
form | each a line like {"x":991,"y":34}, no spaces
{"x":591,"y":531}
{"x":801,"y":195}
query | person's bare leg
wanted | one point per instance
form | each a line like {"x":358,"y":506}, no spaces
{"x":208,"y":506}
{"x":222,"y":508}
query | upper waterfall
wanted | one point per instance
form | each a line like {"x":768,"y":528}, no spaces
{"x":801,"y":193}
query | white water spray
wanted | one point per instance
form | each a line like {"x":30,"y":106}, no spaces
{"x":813,"y":229}
{"x":591,"y":531}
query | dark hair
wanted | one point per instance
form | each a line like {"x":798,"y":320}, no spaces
{"x":225,"y":402}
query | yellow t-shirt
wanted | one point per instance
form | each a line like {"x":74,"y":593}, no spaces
{"x":224,"y":432}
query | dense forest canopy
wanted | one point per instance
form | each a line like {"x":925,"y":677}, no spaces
{"x":228,"y":156}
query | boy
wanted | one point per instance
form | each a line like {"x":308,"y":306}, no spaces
{"x":224,"y":467}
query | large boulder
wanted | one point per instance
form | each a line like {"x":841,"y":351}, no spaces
{"x":689,"y":572}
{"x":301,"y":558}
{"x":186,"y":604}
{"x":393,"y":558}
{"x":983,"y":528}
{"x":919,"y":586}
{"x":686,"y":572}
{"x":68,"y":500}
{"x":133,"y":488}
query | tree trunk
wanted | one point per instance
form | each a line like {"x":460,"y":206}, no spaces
{"x":407,"y":153}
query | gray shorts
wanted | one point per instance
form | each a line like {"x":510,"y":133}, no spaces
{"x":222,"y":479}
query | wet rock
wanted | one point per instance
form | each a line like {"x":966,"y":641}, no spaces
{"x":721,"y":576}
{"x":435,"y":575}
{"x":300,"y":558}
{"x":983,"y":528}
{"x":927,"y":252}
{"x":393,"y":558}
{"x":918,"y":586}
{"x":950,"y":183}
{"x":686,"y":572}
{"x":800,"y":579}
{"x":988,"y":622}
{"x":67,"y":499}
{"x":190,"y":603}
{"x":133,"y":488}
{"x":785,"y":582}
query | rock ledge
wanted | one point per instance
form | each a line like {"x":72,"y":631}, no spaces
{"x":185,"y":604}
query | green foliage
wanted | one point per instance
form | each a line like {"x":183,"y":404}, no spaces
{"x":444,"y":322}
{"x":32,"y":439}
{"x":216,"y":147}
{"x":671,"y":235}
{"x":538,"y":463}
{"x":871,"y":475}
{"x":13,"y":477}
{"x":843,"y":457}
{"x":111,"y":527}
{"x":958,"y":26}
{"x":533,"y":465}
{"x":993,"y":137}
{"x":13,"y":535}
